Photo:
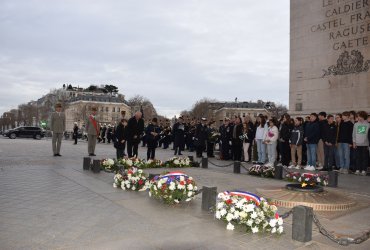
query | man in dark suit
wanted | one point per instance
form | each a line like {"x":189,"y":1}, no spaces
{"x":179,"y":135}
{"x":135,"y":128}
{"x":200,"y":139}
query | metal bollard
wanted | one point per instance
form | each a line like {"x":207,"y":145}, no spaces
{"x":87,"y":163}
{"x":333,"y":179}
{"x":236,"y":167}
{"x":279,"y":172}
{"x":209,"y":195}
{"x":96,"y":166}
{"x":204,"y":162}
{"x":302,"y":223}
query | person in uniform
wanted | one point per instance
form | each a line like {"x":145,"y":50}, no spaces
{"x":57,"y":126}
{"x":152,"y":132}
{"x":226,"y":137}
{"x":92,"y":129}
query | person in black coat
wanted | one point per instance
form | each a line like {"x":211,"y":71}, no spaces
{"x":178,"y":132}
{"x":134,"y":130}
{"x":225,"y":139}
{"x":200,"y":138}
{"x":312,"y":137}
{"x":119,"y":138}
{"x":237,"y":143}
{"x":284,"y":136}
{"x":329,"y":135}
{"x":75,"y":132}
{"x":152,"y":136}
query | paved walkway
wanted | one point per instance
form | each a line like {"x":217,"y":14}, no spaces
{"x":49,"y":202}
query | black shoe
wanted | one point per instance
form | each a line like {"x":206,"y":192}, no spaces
{"x":180,"y":154}
{"x":55,"y":154}
{"x":59,"y":155}
{"x":92,"y":154}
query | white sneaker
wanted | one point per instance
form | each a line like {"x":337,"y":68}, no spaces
{"x":319,"y":167}
{"x":363,"y":172}
{"x":298,"y":167}
{"x":310,"y":168}
{"x":357,"y":172}
{"x":291,"y":166}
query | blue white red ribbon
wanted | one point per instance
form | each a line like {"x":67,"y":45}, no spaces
{"x":246,"y":195}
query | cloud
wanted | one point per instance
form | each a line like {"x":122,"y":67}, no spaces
{"x":172,"y":52}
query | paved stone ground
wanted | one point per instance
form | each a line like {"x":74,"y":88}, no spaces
{"x":49,"y":202}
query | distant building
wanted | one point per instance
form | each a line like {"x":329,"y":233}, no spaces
{"x":109,"y":109}
{"x":242,"y":109}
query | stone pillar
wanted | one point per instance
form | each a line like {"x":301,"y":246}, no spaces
{"x":333,"y":179}
{"x":204,"y":162}
{"x":302,"y":223}
{"x":279,"y":172}
{"x":96,"y":166}
{"x":236,"y":167}
{"x":209,"y":195}
{"x":87,"y":163}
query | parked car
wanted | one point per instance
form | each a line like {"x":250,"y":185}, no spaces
{"x":26,"y":132}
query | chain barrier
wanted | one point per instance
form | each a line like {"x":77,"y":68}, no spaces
{"x":344,"y":241}
{"x":221,"y":166}
{"x":287,"y":214}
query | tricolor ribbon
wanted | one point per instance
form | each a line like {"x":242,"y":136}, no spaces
{"x":246,"y":195}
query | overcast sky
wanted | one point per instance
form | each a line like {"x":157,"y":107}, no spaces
{"x":174,"y":52}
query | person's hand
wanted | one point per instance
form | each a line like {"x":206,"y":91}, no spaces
{"x":354,"y":145}
{"x":305,"y":139}
{"x":123,"y":141}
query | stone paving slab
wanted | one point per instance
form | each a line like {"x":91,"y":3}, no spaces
{"x":49,"y":202}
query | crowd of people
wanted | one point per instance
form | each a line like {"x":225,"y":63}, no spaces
{"x":316,"y":142}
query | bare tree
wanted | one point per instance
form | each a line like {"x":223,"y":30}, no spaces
{"x":141,"y":103}
{"x":201,"y":108}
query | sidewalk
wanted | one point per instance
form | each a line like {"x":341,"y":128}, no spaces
{"x":49,"y":202}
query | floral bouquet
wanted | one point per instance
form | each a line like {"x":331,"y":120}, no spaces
{"x":109,"y":165}
{"x":214,"y":137}
{"x":118,"y":178}
{"x":132,"y":162}
{"x":248,"y":210}
{"x":178,"y":162}
{"x":154,"y":164}
{"x":134,"y":179}
{"x":173,"y":188}
{"x":262,"y":170}
{"x":308,"y":179}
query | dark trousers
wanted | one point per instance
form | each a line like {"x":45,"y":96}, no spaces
{"x":132,"y":148}
{"x":362,"y":157}
{"x":210,"y":146}
{"x":285,"y":153}
{"x":75,"y":139}
{"x":150,"y":153}
{"x":225,"y":150}
{"x":329,"y":156}
{"x":237,"y":149}
{"x":199,"y":150}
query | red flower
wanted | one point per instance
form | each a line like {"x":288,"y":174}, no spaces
{"x":182,"y":182}
{"x":164,"y":186}
{"x":229,"y":201}
{"x":141,"y":182}
{"x":276,"y":216}
{"x":189,"y":181}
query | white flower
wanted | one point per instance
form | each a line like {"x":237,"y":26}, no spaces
{"x":230,"y":226}
{"x":254,"y":215}
{"x":249,"y":208}
{"x":223,"y":212}
{"x":188,"y":199}
{"x":128,"y":186}
{"x":123,"y":187}
{"x":300,"y":179}
{"x":273,"y":223}
{"x":190,"y":178}
{"x":176,"y":162}
{"x":140,"y":171}
{"x":175,"y":200}
{"x":273,"y":230}
{"x":150,"y":194}
{"x":236,"y":215}
{"x":243,"y":214}
{"x":232,"y":209}
{"x":159,"y":185}
{"x":190,"y":187}
{"x":133,"y":188}
{"x":190,"y":194}
{"x":318,"y":179}
{"x":280,"y":230}
{"x":180,"y":187}
{"x":182,"y":178}
{"x":218,"y":215}
{"x":220,"y":205}
{"x":129,"y":162}
{"x":280,"y":221}
{"x":254,"y":230}
{"x":250,"y":222}
{"x":172,"y":186}
{"x":114,"y":185}
{"x":229,"y":217}
{"x":273,"y":207}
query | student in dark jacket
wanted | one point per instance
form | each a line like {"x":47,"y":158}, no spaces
{"x":329,"y":138}
{"x":284,"y":136}
{"x":200,"y":137}
{"x":345,"y":142}
{"x":178,"y":131}
{"x":312,"y":137}
{"x":120,"y":140}
{"x":152,"y":136}
{"x":135,"y":128}
{"x":296,"y":141}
